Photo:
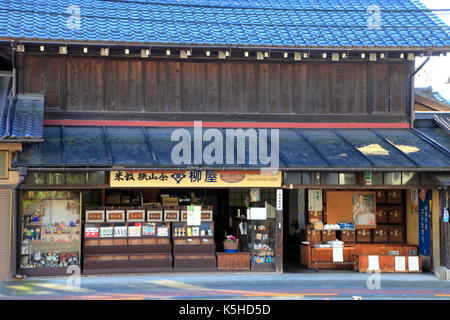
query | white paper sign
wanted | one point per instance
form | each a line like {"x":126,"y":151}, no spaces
{"x":373,"y":263}
{"x":279,"y":199}
{"x":413,"y":263}
{"x":315,"y":200}
{"x":194,"y":215}
{"x":400,"y":264}
{"x":338,"y":255}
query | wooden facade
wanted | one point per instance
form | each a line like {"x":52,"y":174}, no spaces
{"x":271,"y":90}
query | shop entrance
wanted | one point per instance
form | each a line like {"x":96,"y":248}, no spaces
{"x":118,"y":230}
{"x":351,"y":229}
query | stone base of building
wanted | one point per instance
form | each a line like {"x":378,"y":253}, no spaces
{"x":443,"y":273}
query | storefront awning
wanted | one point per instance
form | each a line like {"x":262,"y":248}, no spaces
{"x":442,"y":179}
{"x":151,"y":147}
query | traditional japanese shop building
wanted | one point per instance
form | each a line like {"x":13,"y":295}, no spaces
{"x":149,"y":132}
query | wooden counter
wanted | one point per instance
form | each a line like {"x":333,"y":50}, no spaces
{"x":233,"y":261}
{"x":312,"y":257}
{"x":355,"y":256}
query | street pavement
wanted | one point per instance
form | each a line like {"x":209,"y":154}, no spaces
{"x":304,"y":285}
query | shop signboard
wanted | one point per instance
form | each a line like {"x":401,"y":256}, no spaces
{"x":424,"y":222}
{"x":195,"y":179}
{"x":95,"y":215}
{"x":136,"y":215}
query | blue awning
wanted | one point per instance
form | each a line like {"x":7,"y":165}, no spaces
{"x":151,"y":147}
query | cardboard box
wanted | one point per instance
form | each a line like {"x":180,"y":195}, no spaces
{"x":113,"y":198}
{"x":170,"y":201}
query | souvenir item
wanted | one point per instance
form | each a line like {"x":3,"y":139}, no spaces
{"x":36,"y":215}
{"x":106,"y":232}
{"x":163,"y":232}
{"x":148,"y":229}
{"x":134,"y":231}
{"x":91,"y":232}
{"x":195,"y":231}
{"x":120,"y":231}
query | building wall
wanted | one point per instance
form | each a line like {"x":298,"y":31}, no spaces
{"x":7,"y":230}
{"x":312,"y":89}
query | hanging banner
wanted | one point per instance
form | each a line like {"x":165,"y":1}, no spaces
{"x":194,"y":179}
{"x":415,"y":201}
{"x":424,"y":222}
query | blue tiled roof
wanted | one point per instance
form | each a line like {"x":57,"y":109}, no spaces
{"x":27,"y":117}
{"x":280,"y":23}
{"x":5,"y":90}
{"x":427,"y":92}
{"x":20,"y":118}
{"x":140,"y":147}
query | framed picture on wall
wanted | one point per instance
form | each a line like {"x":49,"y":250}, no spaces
{"x":364,"y":210}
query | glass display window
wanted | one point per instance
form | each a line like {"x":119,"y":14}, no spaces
{"x":262,"y":244}
{"x":51,"y":231}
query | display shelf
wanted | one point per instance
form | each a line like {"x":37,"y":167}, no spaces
{"x":194,"y":252}
{"x":137,"y":252}
{"x":262,"y":258}
{"x":52,"y":243}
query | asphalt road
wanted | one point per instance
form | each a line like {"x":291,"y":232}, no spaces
{"x":308,"y":285}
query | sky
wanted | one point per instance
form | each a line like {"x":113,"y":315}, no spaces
{"x":436,"y":72}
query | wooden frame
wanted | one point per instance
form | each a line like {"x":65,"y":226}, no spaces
{"x":6,"y":175}
{"x":133,"y":215}
{"x":94,"y":215}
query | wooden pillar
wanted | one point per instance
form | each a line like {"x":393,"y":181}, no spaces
{"x":279,"y":242}
{"x":435,"y":228}
{"x":279,"y":232}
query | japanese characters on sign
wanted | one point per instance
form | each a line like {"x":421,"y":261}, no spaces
{"x":115,"y":215}
{"x":194,"y":178}
{"x":95,"y":215}
{"x":424,"y":222}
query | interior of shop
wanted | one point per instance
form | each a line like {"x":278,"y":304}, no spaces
{"x":146,"y":230}
{"x":351,"y":229}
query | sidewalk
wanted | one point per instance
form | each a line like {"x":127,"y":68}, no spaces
{"x":219,"y":285}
